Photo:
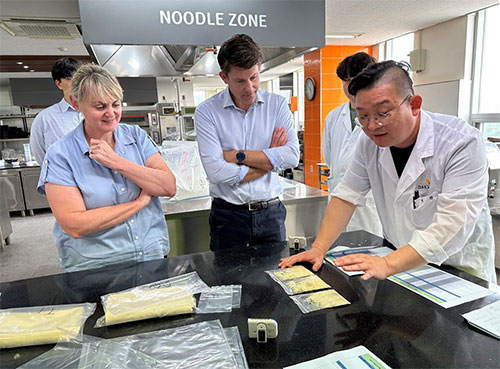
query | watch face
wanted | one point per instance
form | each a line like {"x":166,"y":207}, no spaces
{"x":310,"y":88}
{"x":240,"y":156}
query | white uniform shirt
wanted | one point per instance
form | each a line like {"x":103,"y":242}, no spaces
{"x":50,"y":125}
{"x":449,"y":222}
{"x":339,"y":143}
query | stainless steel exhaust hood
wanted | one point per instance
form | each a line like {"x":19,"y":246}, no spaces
{"x":171,"y":38}
{"x":176,"y":60}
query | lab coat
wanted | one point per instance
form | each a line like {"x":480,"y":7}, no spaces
{"x":339,"y":142}
{"x":439,"y":205}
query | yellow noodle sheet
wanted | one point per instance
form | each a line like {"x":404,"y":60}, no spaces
{"x":292,"y":272}
{"x":327,"y":299}
{"x":39,"y":327}
{"x":142,"y":304}
{"x":306,"y":284}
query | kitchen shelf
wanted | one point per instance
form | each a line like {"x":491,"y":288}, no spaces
{"x":14,"y":139}
{"x":17,"y":116}
{"x":323,"y":171}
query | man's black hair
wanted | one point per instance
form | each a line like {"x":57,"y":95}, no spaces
{"x":390,"y":70}
{"x":64,"y":68}
{"x":352,"y":65}
{"x":239,"y":51}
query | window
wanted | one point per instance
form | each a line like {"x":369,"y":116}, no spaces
{"x":485,"y":102}
{"x":397,"y":49}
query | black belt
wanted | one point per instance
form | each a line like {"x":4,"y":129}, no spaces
{"x":252,"y":206}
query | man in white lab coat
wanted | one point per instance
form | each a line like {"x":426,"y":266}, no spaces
{"x":340,"y":137}
{"x":429,"y":175}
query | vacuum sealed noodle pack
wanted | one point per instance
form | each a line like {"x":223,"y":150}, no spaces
{"x":172,"y":296}
{"x":314,"y":301}
{"x":40,"y":325}
{"x":297,"y":281}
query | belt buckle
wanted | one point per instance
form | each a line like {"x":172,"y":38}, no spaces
{"x":252,"y":206}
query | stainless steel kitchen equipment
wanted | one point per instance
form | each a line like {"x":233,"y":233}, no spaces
{"x":188,"y":128}
{"x":170,"y":124}
{"x":5,"y":225}
{"x":145,"y":117}
{"x":13,"y":190}
{"x":20,"y":189}
{"x":305,"y":207}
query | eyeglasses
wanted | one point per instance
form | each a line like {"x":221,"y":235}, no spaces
{"x":381,"y":119}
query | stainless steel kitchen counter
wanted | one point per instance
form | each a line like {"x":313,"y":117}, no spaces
{"x":21,"y":187}
{"x":293,"y":193}
{"x":187,"y":220}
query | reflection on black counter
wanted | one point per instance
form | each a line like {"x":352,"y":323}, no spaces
{"x":401,"y":328}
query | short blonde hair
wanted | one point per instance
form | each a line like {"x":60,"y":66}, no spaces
{"x":92,"y":80}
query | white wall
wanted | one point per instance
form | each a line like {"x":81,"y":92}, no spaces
{"x":445,"y":82}
{"x":168,"y":93}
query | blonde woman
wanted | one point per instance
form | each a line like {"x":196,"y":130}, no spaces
{"x":102,"y":181}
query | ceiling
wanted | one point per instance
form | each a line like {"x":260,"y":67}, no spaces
{"x":370,"y":18}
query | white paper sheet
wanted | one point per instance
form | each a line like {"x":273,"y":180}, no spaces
{"x":357,"y":357}
{"x":440,"y":287}
{"x":339,"y":251}
{"x":487,"y":319}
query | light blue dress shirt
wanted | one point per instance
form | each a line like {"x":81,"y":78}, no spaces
{"x":143,"y":236}
{"x":221,"y":126}
{"x":50,"y":125}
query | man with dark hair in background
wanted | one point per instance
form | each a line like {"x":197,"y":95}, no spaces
{"x":340,"y":137}
{"x":58,"y":119}
{"x":428,"y":173}
{"x":245,"y":135}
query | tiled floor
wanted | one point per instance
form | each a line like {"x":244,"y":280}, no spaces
{"x":31,"y":252}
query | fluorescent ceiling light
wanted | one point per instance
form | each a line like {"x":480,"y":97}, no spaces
{"x":344,"y":35}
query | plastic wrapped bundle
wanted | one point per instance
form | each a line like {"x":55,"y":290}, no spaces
{"x":296,"y":271}
{"x":42,"y":325}
{"x":183,"y":159}
{"x":173,"y":296}
{"x":314,"y":301}
{"x":298,"y":284}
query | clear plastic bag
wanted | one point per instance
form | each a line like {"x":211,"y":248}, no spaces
{"x":236,"y":295}
{"x":301,"y":284}
{"x":220,"y":299}
{"x":234,"y":339}
{"x":183,"y":159}
{"x":200,"y":345}
{"x":314,"y":301}
{"x":93,"y":353}
{"x":40,"y":325}
{"x":172,"y":296}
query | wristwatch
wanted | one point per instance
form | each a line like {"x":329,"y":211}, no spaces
{"x":240,"y":157}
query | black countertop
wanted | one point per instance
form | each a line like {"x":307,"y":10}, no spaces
{"x":400,"y":327}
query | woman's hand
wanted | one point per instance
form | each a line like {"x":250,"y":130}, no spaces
{"x":313,"y":256}
{"x":144,"y":199}
{"x":100,"y":151}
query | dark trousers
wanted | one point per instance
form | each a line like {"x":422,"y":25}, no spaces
{"x":234,"y":226}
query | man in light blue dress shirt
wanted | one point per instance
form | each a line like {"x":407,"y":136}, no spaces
{"x":58,"y":119}
{"x":245,"y":136}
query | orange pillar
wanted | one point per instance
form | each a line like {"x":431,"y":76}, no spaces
{"x":321,"y":65}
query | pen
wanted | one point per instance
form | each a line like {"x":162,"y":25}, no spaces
{"x":358,"y":250}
